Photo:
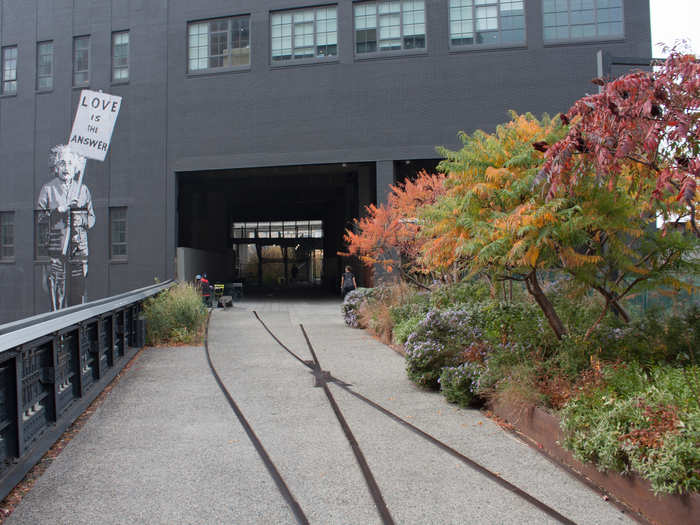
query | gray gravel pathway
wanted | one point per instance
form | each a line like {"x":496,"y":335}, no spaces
{"x":165,"y":447}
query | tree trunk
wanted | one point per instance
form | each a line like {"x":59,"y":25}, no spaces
{"x":597,"y":322}
{"x":611,"y":298}
{"x":534,"y":289}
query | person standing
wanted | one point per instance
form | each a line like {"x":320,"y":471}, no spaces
{"x":347,"y":282}
{"x":66,"y":207}
{"x":206,"y":290}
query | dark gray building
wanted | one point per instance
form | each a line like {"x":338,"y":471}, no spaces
{"x":252,"y":131}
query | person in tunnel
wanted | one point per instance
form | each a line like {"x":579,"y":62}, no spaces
{"x":206,"y":289}
{"x":347,"y":282}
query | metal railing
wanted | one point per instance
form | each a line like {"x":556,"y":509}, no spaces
{"x":52,"y":366}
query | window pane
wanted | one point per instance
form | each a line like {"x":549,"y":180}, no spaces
{"x":582,"y":19}
{"x":81,"y":60}
{"x":118,"y":233}
{"x":120,"y":56}
{"x":7,"y":235}
{"x":219,"y":43}
{"x":393,"y":24}
{"x":413,"y":23}
{"x":304,"y":33}
{"x":9,"y":70}
{"x":492,"y":22}
{"x":44,"y":66}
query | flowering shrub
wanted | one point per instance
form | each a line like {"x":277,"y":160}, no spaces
{"x":459,"y":384}
{"x":351,"y":305}
{"x":404,"y":328}
{"x":441,"y":340}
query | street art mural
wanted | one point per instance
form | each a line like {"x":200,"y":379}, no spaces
{"x":65,"y":214}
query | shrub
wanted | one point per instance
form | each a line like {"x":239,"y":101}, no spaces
{"x":351,"y":305}
{"x":441,"y":340}
{"x":466,"y":292}
{"x":459,"y":384}
{"x":648,"y":422}
{"x":176,"y":315}
{"x":406,"y":314}
{"x":410,"y":305}
{"x":403,"y":329}
{"x":502,"y":358}
{"x":655,"y":337}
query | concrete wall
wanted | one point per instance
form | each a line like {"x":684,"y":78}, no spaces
{"x":351,"y":109}
{"x":190,"y":262}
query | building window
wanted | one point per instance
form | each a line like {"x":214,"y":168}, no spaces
{"x":81,"y":60}
{"x":220,"y":43}
{"x":7,"y":235}
{"x":389,"y":26}
{"x":117,"y":233}
{"x":487,"y":22}
{"x":9,"y":70}
{"x":120,"y":56}
{"x":566,"y":20}
{"x":44,"y":66}
{"x":304,"y":33}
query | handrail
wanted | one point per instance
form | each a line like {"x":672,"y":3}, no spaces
{"x":19,"y":332}
{"x":52,"y":366}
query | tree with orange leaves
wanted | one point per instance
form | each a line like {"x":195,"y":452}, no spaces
{"x":389,"y":235}
{"x":496,"y":218}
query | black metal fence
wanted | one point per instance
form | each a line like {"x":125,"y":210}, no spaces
{"x":52,"y":366}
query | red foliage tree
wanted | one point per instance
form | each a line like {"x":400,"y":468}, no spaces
{"x":389,"y":234}
{"x":647,"y":120}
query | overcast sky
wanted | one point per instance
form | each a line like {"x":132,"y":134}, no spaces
{"x":672,"y":20}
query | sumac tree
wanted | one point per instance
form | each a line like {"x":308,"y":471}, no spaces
{"x":644,"y":123}
{"x":389,"y":235}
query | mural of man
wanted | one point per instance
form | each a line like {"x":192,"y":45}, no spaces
{"x":65,"y":205}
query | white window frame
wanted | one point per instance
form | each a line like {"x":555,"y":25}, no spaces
{"x":290,"y":22}
{"x":39,"y":55}
{"x":118,"y":68}
{"x":595,"y":23}
{"x":9,"y":76}
{"x":372,"y":10}
{"x":203,"y":39}
{"x":76,"y":39}
{"x":456,"y":9}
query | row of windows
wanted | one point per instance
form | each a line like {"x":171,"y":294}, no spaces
{"x":396,"y":25}
{"x":81,"y":63}
{"x":312,"y":33}
{"x":117,"y":235}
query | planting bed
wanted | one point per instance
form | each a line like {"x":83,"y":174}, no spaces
{"x":542,"y":428}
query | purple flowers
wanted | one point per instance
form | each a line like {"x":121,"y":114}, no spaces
{"x":444,"y":339}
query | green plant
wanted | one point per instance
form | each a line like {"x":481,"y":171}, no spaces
{"x":351,"y":305}
{"x":176,"y":315}
{"x":465,"y":292}
{"x":459,"y":383}
{"x":403,"y":329}
{"x":644,"y":421}
{"x":444,"y":338}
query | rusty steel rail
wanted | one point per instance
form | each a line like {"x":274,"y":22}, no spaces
{"x":52,"y":366}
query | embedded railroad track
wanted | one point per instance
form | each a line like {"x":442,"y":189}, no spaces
{"x":322,"y":379}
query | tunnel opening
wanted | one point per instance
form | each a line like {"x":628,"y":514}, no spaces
{"x":274,"y":228}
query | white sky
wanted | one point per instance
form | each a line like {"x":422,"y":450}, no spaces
{"x":672,"y":20}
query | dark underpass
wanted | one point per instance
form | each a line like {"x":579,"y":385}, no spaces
{"x":270,"y":228}
{"x":277,"y":228}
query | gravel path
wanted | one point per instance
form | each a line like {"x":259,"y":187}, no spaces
{"x":165,"y":447}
